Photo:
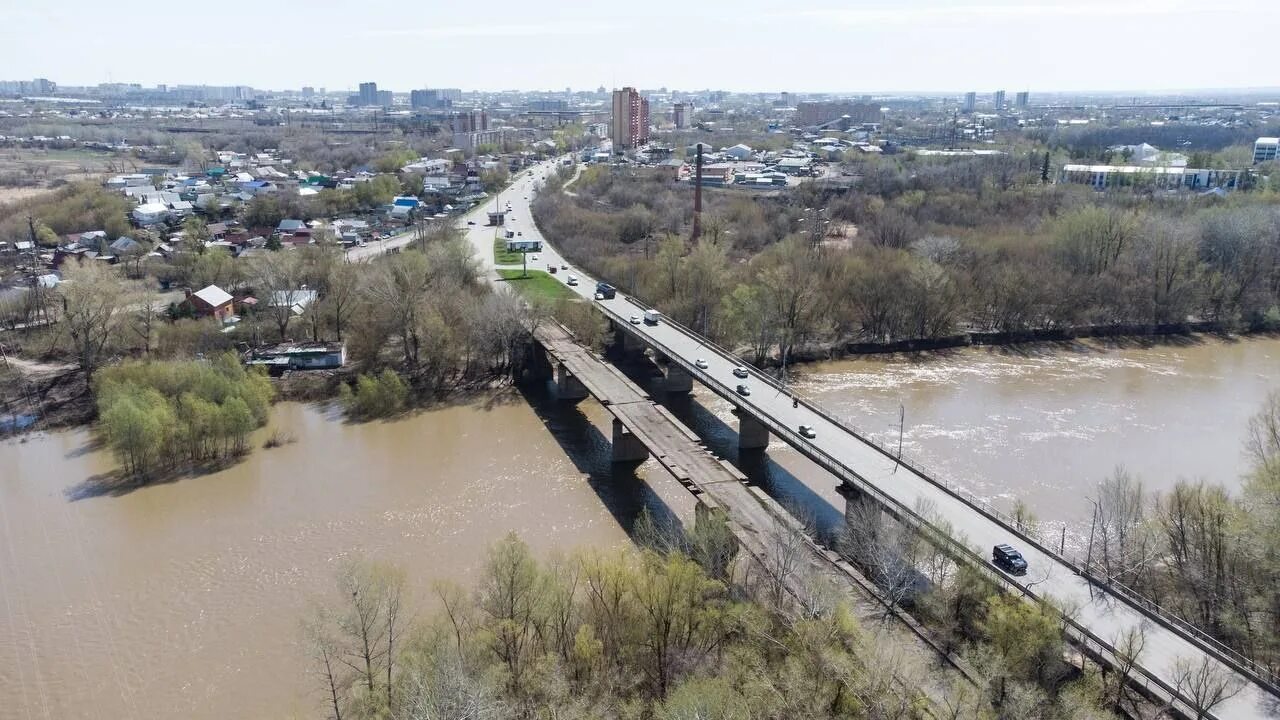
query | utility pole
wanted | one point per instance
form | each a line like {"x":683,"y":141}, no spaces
{"x":902,"y":423}
{"x":697,"y":195}
{"x":35,"y":260}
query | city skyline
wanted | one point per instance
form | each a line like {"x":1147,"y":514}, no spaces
{"x":923,"y":46}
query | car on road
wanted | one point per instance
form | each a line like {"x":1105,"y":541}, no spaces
{"x":743,"y":390}
{"x":471,"y":222}
{"x":700,"y":364}
{"x":573,"y":280}
{"x":535,"y":258}
{"x":808,"y":431}
{"x":551,"y":268}
{"x":635,"y":319}
{"x":564,"y":266}
{"x":519,"y":234}
{"x":739,"y":371}
{"x":1005,"y":557}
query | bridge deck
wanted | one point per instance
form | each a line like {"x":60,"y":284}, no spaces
{"x":765,"y":530}
{"x":1102,"y":612}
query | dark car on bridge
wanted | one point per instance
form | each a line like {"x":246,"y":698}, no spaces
{"x":1008,"y":559}
{"x":606,"y":291}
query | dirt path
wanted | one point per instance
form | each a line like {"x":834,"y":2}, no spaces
{"x":36,"y":370}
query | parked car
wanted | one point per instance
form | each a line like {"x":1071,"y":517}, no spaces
{"x":700,"y":363}
{"x":1008,"y":559}
{"x":573,"y":280}
{"x":743,"y":390}
{"x":739,"y":372}
{"x":808,"y":431}
{"x":635,"y":319}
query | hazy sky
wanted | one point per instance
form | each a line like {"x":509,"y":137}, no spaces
{"x":797,"y":45}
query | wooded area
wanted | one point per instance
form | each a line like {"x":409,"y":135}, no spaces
{"x":923,"y":249}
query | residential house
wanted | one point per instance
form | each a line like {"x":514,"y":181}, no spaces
{"x":258,"y":187}
{"x":299,"y":356}
{"x":150,"y":213}
{"x":125,"y":246}
{"x":289,"y":226}
{"x":211,"y":301}
{"x":296,"y":300}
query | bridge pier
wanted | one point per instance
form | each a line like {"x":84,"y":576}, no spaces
{"x":752,"y":434}
{"x":536,"y":365}
{"x":863,"y":522}
{"x":568,"y":387}
{"x":626,"y":345}
{"x":626,"y":446}
{"x":675,"y":379}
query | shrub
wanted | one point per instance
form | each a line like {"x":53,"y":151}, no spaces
{"x":375,"y":396}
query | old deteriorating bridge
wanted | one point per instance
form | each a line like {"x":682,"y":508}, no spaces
{"x":868,"y":473}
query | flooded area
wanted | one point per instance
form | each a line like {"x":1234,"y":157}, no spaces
{"x":185,"y":599}
{"x":1047,"y":423}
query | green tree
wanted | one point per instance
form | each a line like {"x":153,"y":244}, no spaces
{"x":137,"y":426}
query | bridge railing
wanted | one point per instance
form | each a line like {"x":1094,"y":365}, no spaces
{"x":1247,"y":667}
{"x":910,"y":516}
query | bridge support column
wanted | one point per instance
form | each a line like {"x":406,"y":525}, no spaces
{"x":626,"y":446}
{"x":625,"y":344}
{"x":536,"y":365}
{"x":752,"y":434}
{"x":568,"y":387}
{"x":863,"y":520}
{"x":676,"y":379}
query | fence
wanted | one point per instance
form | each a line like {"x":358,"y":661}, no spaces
{"x":1211,"y":646}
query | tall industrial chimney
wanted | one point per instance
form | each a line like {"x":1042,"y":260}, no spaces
{"x":697,"y":196}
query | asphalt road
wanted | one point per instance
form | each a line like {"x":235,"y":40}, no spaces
{"x":523,"y":185}
{"x":1104,"y":615}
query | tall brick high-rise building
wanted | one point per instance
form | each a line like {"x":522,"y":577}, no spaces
{"x":629,"y":126}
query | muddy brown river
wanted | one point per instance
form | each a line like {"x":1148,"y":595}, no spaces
{"x":184,"y":599}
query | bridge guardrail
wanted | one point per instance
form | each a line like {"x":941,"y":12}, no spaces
{"x":1206,"y":643}
{"x":910,"y":515}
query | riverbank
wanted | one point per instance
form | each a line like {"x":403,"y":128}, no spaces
{"x":186,"y":598}
{"x":1067,"y":339}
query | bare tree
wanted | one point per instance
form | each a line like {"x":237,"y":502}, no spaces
{"x":1122,"y":537}
{"x":92,"y":300}
{"x":1204,"y":684}
{"x":886,"y":551}
{"x":145,"y":317}
{"x":1128,"y":650}
{"x":276,"y":278}
{"x":1263,"y":444}
{"x":326,"y":651}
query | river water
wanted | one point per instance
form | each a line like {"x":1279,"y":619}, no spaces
{"x":184,"y":599}
{"x":1046,"y":424}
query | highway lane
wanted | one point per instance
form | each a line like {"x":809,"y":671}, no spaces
{"x":523,"y":184}
{"x":1106,"y":617}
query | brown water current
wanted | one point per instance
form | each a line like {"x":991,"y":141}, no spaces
{"x":184,"y":600}
{"x":1047,"y":423}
